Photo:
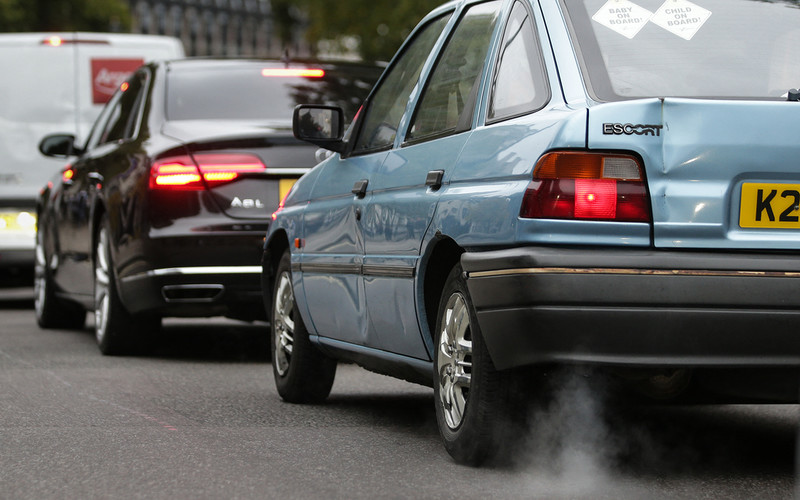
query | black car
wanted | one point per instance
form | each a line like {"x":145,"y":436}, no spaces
{"x":163,"y":211}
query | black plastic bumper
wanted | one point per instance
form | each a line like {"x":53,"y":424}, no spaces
{"x":636,"y":307}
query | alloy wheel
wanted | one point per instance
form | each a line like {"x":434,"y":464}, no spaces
{"x":283,"y":324}
{"x":101,"y":283}
{"x":454,"y":360}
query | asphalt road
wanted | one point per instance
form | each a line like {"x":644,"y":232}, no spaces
{"x":200,"y":418}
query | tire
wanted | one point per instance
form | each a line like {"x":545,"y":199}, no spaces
{"x":472,"y":398}
{"x":303,"y":374}
{"x":52,"y":312}
{"x":117,"y":331}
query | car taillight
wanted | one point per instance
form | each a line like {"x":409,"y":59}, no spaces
{"x":293,"y":72}
{"x":196,"y":172}
{"x":67,"y":174}
{"x":590,"y":186}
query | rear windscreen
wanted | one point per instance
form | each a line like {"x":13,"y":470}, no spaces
{"x":698,"y":48}
{"x":260,"y":92}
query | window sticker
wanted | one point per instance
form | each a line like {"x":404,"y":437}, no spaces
{"x":622,"y":16}
{"x":681,"y":17}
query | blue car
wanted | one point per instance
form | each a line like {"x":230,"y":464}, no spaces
{"x":539,"y":183}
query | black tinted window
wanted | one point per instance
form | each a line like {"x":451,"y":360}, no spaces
{"x":262,"y":92}
{"x":124,"y":112}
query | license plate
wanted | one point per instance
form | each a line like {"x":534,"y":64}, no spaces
{"x":284,"y":186}
{"x":770,"y":205}
{"x":17,"y":221}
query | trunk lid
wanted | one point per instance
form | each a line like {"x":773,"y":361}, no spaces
{"x":252,"y":195}
{"x":721,"y":173}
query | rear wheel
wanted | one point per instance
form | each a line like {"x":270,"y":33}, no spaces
{"x":472,"y":398}
{"x":52,"y":312}
{"x":117,"y":331}
{"x":303,"y":374}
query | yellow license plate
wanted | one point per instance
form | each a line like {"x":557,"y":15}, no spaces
{"x":284,"y":186}
{"x":770,"y":205}
{"x":17,"y":221}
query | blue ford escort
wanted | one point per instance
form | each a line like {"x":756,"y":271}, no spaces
{"x":533,"y":183}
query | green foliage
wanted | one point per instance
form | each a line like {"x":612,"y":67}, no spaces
{"x":64,"y":15}
{"x":379,"y":25}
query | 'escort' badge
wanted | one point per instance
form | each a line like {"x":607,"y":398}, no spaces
{"x":630,"y":129}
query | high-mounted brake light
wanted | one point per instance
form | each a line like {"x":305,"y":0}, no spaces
{"x":57,"y":41}
{"x":53,"y":41}
{"x":295,"y":72}
{"x":584,"y":185}
{"x":195,"y":173}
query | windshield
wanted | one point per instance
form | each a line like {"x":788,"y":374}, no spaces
{"x":676,"y":48}
{"x":257,"y":91}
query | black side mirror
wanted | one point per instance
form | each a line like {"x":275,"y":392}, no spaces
{"x":320,"y":125}
{"x":59,"y":146}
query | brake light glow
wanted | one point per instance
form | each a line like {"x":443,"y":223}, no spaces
{"x":53,"y":41}
{"x":67,"y":174}
{"x":197,"y":172}
{"x":587,"y":186}
{"x":295,"y":72}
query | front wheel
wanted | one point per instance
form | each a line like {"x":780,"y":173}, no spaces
{"x":117,"y":331}
{"x":473,"y":399}
{"x":51,"y":312}
{"x":302,"y":373}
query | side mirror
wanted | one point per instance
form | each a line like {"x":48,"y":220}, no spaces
{"x":59,"y":146}
{"x":320,"y":125}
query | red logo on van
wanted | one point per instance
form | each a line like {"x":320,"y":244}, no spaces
{"x":108,"y":74}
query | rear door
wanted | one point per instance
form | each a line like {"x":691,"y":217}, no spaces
{"x":111,"y":151}
{"x":405,"y":190}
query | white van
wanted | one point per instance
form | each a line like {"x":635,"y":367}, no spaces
{"x":54,"y":82}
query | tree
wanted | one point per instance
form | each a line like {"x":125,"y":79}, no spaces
{"x":64,"y":15}
{"x":379,"y":26}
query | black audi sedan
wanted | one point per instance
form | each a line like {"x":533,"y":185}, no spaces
{"x":163,"y":210}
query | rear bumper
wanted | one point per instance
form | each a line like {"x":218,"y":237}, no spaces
{"x":636,"y":308}
{"x":196,"y":291}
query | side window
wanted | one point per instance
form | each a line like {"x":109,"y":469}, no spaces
{"x":449,"y":98}
{"x":123,"y":115}
{"x":519,"y":84}
{"x":389,"y":101}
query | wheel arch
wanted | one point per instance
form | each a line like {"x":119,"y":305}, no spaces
{"x":273,"y":251}
{"x":443,"y":254}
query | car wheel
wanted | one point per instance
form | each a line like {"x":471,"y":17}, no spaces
{"x":51,"y":312}
{"x":117,"y":331}
{"x":472,"y":398}
{"x":303,"y":374}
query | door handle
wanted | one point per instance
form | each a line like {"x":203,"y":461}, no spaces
{"x":360,"y":188}
{"x":434,"y":179}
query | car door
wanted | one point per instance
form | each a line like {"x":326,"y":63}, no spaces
{"x":105,"y":156}
{"x":333,"y":250}
{"x":405,"y":190}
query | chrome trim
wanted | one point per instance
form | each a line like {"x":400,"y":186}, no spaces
{"x":200,"y":270}
{"x":643,"y":272}
{"x":388,"y":271}
{"x":286,"y":171}
{"x":364,"y":270}
{"x":330,"y":268}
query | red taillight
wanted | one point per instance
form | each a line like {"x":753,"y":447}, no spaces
{"x":293,"y":72}
{"x":67,"y":174}
{"x":582,"y":185}
{"x":195,"y":173}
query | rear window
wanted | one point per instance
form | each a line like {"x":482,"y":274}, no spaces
{"x":682,"y":48}
{"x":264,"y":92}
